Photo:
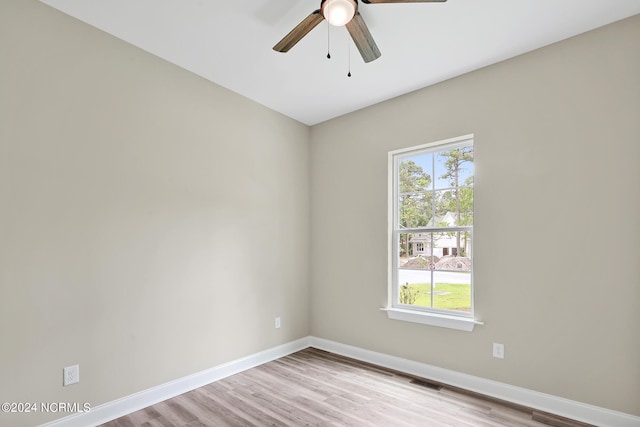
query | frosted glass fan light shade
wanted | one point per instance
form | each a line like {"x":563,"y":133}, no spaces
{"x":338,"y":12}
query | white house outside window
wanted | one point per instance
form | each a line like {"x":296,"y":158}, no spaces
{"x":431,"y":233}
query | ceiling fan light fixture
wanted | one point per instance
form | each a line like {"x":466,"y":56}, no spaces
{"x":338,"y":12}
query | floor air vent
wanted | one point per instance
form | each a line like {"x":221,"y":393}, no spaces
{"x":427,"y":384}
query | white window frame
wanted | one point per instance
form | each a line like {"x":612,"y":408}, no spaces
{"x":448,"y":319}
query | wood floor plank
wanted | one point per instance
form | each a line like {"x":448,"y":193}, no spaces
{"x":316,"y":388}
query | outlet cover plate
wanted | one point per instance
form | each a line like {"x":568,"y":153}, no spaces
{"x":498,"y":350}
{"x":71,"y":375}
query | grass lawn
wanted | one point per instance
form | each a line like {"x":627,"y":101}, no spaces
{"x":448,"y":296}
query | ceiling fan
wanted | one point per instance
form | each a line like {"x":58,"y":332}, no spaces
{"x":339,"y":13}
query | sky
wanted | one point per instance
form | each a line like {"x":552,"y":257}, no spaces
{"x":425,"y":161}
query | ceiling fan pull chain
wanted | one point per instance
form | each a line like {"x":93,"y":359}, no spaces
{"x":328,"y":40}
{"x":349,"y":56}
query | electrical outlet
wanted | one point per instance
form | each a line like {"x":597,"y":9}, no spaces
{"x":277,"y":323}
{"x":498,"y":350}
{"x":71,"y":375}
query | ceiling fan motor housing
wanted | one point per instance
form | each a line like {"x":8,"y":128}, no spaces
{"x":338,"y":12}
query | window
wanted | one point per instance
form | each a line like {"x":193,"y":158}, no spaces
{"x":431,"y":233}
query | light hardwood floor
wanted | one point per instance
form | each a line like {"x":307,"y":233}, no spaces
{"x":316,"y":388}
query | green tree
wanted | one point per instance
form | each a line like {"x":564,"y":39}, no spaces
{"x":415,"y":201}
{"x":413,"y":178}
{"x":462,"y":200}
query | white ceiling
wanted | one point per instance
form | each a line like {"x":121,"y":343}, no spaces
{"x":230,"y":42}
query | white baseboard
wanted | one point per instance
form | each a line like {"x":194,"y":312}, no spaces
{"x":543,"y":402}
{"x":117,"y":408}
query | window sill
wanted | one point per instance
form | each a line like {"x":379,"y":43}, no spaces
{"x":433,"y":319}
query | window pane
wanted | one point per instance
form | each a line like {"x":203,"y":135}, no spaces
{"x":415,"y":174}
{"x":451,"y":203}
{"x":452,"y":290}
{"x":415,"y":209}
{"x":430,"y":274}
{"x":465,"y":196}
{"x":452,"y":274}
{"x":415,"y":269}
{"x":451,"y":250}
{"x":454,"y":168}
{"x":445,"y":209}
{"x":415,"y":251}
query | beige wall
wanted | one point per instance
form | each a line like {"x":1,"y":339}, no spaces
{"x":557,"y":152}
{"x":152,"y":224}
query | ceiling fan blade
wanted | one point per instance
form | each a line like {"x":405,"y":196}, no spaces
{"x":402,"y":1}
{"x":362,"y":38}
{"x":301,"y":30}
